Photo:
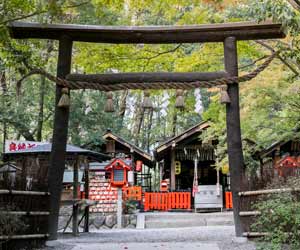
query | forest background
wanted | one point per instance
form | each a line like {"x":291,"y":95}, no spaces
{"x":270,"y":103}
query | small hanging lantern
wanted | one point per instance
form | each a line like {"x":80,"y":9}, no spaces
{"x":64,"y":100}
{"x":109,"y":106}
{"x":147,"y":103}
{"x":224,"y":95}
{"x":179,"y":103}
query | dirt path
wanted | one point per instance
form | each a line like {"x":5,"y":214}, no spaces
{"x":202,"y":238}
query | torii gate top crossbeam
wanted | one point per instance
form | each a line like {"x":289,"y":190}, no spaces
{"x":148,"y":34}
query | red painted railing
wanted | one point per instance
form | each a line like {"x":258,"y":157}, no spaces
{"x":132,"y":193}
{"x":167,"y":201}
{"x":228,"y":200}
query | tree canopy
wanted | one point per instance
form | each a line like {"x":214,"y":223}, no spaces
{"x":269,"y":103}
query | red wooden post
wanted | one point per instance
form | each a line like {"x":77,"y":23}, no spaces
{"x":146,"y":202}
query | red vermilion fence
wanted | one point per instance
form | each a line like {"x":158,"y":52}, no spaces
{"x":167,"y":201}
{"x":228,"y":200}
{"x":132,"y":193}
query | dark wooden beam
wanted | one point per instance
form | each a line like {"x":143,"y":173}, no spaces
{"x":172,"y":172}
{"x":75,"y":211}
{"x":59,"y":141}
{"x":145,"y":77}
{"x":150,"y":34}
{"x":86,"y":194}
{"x":234,"y":141}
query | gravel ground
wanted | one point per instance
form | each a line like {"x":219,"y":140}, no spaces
{"x":203,"y":238}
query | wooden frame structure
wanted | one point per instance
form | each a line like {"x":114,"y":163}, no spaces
{"x":39,"y":157}
{"x":228,"y":34}
{"x":171,"y":144}
{"x":123,"y":146}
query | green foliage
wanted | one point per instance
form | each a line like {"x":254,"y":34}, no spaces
{"x":130,"y":206}
{"x":280,"y":218}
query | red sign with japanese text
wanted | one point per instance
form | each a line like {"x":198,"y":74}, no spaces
{"x":13,"y":146}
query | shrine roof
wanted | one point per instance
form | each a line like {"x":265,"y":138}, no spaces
{"x":46,"y":148}
{"x":178,"y":139}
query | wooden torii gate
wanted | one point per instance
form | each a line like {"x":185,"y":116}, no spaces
{"x":228,"y":34}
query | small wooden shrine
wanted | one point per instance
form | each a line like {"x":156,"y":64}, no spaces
{"x":116,"y":145}
{"x":281,"y":159}
{"x":140,"y":160}
{"x":178,"y":155}
{"x":188,"y":164}
{"x":33,"y":165}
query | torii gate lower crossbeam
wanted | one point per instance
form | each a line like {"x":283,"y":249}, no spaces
{"x":228,"y":34}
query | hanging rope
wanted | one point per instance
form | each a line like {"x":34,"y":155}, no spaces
{"x":155,"y":85}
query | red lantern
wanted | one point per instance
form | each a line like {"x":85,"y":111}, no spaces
{"x":118,"y":169}
{"x":164,"y":186}
{"x":138,"y":166}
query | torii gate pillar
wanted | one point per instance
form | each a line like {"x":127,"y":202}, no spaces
{"x":234,"y":141}
{"x":59,"y":141}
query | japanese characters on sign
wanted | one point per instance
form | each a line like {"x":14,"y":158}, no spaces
{"x":13,"y":146}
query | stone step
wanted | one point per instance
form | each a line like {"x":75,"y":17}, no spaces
{"x":174,"y":224}
{"x":172,"y":215}
{"x":187,"y":223}
{"x":173,"y":220}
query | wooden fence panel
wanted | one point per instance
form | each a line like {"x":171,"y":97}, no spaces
{"x":32,"y":210}
{"x":247,"y":214}
{"x":163,"y":201}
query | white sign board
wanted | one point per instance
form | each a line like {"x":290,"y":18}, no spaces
{"x":13,"y":146}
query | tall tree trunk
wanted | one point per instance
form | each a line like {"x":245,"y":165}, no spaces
{"x":174,"y":123}
{"x":41,"y":109}
{"x":149,"y":129}
{"x":144,"y":130}
{"x":3,"y":82}
{"x":4,"y":90}
{"x":39,"y":128}
{"x":123,"y":104}
{"x":138,"y":120}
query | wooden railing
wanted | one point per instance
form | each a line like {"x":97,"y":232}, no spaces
{"x":32,"y":209}
{"x":167,"y":201}
{"x":248,"y":215}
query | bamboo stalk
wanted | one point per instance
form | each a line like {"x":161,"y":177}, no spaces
{"x":29,"y":192}
{"x":28,"y":236}
{"x":261,"y":234}
{"x":5,"y":191}
{"x":255,"y":234}
{"x":268,"y":191}
{"x":249,"y":213}
{"x":33,"y":213}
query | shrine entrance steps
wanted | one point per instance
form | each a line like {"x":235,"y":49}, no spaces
{"x":179,"y":220}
